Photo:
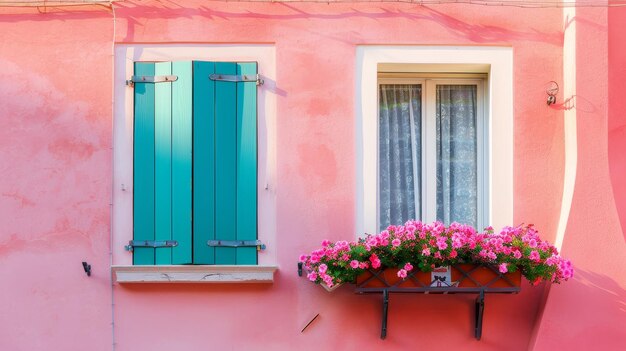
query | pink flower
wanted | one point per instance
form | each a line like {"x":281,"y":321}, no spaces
{"x":517,"y":254}
{"x":303,"y":258}
{"x":312,"y":276}
{"x":354,"y":264}
{"x":453,"y":254}
{"x":402,"y":274}
{"x":552,"y":260}
{"x":532,"y":243}
{"x":503,"y":268}
{"x":534,"y":255}
{"x":328,"y":280}
{"x":568,"y":273}
{"x":408,"y":267}
{"x":442,"y":245}
{"x":457,"y":243}
{"x":325,"y":243}
{"x":376,"y":263}
{"x":396,"y":242}
{"x":426,"y":252}
{"x":322,"y":268}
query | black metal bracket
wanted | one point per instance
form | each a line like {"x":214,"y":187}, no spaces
{"x":480,"y":308}
{"x":383,"y":329}
{"x":376,"y":283}
{"x":478,"y":327}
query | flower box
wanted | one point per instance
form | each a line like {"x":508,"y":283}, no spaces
{"x":463,"y":278}
{"x":416,"y":249}
{"x":433,"y":258}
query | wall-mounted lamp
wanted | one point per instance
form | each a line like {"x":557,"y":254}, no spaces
{"x":552,"y":89}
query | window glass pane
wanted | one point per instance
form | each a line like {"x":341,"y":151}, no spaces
{"x":399,"y":153}
{"x":456,"y":154}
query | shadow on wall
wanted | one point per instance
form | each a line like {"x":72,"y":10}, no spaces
{"x":288,"y":12}
{"x":137,"y":13}
{"x":575,"y":102}
{"x":586,"y":294}
{"x":596,"y":311}
{"x":595,"y":285}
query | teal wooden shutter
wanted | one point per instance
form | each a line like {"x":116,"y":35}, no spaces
{"x":162,"y":163}
{"x":225,"y":163}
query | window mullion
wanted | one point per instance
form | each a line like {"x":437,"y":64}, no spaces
{"x":429,"y":167}
{"x":414,"y":151}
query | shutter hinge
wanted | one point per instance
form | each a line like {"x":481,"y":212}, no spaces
{"x":150,"y":79}
{"x":237,"y":243}
{"x":150,"y":243}
{"x":242,"y":78}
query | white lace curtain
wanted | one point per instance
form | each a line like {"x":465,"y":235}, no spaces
{"x":400,"y":159}
{"x":400,"y":153}
{"x":456,"y":154}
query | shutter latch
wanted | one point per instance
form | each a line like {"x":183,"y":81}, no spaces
{"x":151,"y":79}
{"x":150,"y":243}
{"x":237,"y":243}
{"x":242,"y":78}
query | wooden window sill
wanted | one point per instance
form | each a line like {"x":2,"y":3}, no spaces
{"x":193,"y":274}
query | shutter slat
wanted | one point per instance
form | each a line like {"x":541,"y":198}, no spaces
{"x":203,"y":162}
{"x":163,"y":163}
{"x":181,"y":161}
{"x":143,"y":174}
{"x":225,"y":162}
{"x":246,"y":164}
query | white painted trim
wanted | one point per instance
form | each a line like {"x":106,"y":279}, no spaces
{"x":125,"y":55}
{"x":497,"y":62}
{"x":569,"y":123}
{"x":193,"y":274}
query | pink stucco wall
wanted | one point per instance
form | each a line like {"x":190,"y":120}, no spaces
{"x":617,"y":110}
{"x":55,"y":152}
{"x":594,"y":237}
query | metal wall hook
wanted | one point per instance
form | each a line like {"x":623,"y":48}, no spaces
{"x":552,"y":88}
{"x":87,"y":268}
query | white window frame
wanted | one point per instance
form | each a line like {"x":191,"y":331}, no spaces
{"x":495,"y":62}
{"x":428,"y":204}
{"x":125,"y":56}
